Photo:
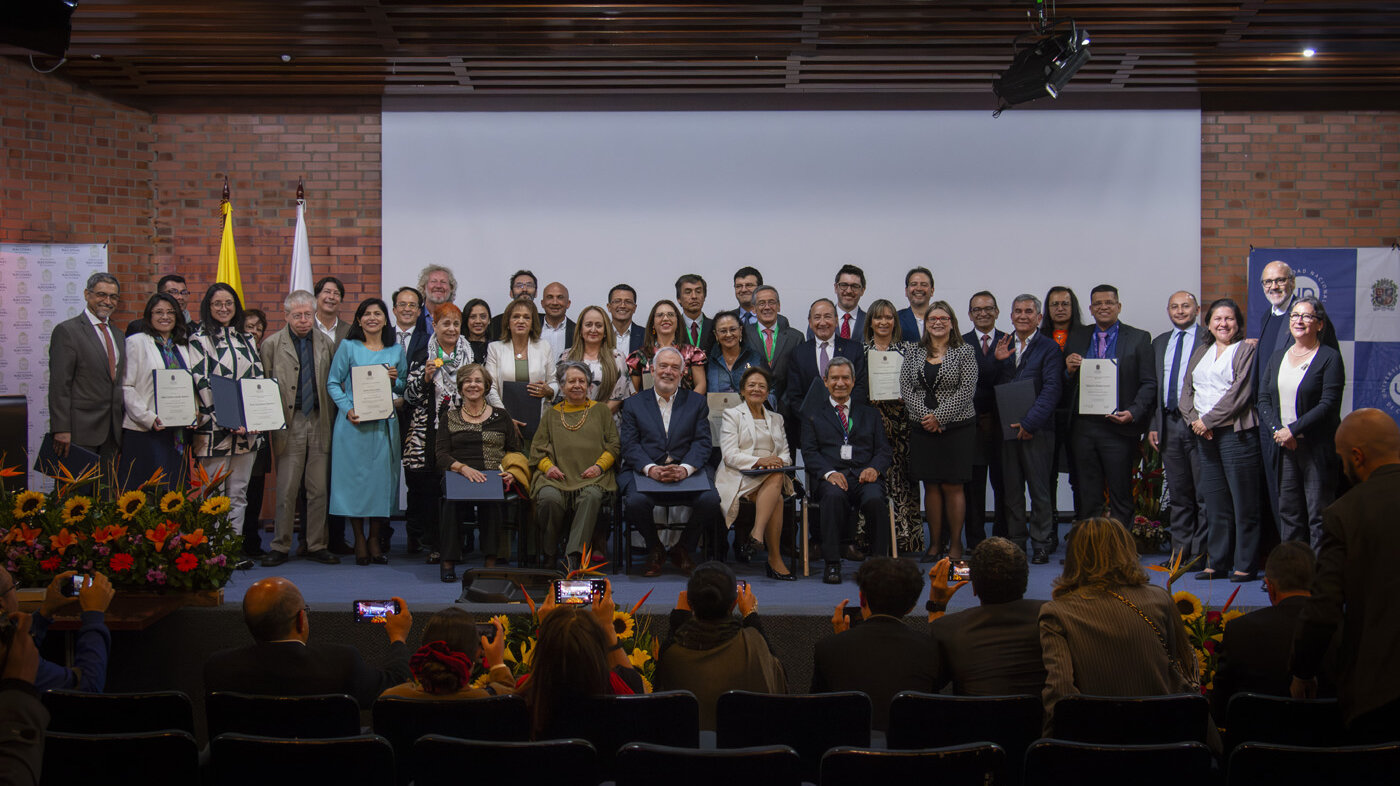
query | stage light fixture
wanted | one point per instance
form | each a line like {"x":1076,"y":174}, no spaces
{"x":1042,"y":67}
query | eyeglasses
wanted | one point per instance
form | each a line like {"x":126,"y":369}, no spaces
{"x":983,"y":310}
{"x":850,"y":287}
{"x":103,"y":295}
{"x":1274,"y":282}
{"x":939,"y":319}
{"x":1302,"y":318}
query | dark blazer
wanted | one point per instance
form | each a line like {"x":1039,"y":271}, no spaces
{"x":707,"y":331}
{"x":784,"y":342}
{"x":857,"y":326}
{"x":1253,"y":655}
{"x":637,"y":336}
{"x":1042,"y":363}
{"x":992,"y":649}
{"x":739,"y":315}
{"x":880,"y":656}
{"x":1319,"y":400}
{"x":1137,"y":382}
{"x":821,"y":441}
{"x":83,"y":399}
{"x":645,"y":440}
{"x":1160,"y":346}
{"x":1356,"y":578}
{"x":1274,"y":335}
{"x":908,"y":325}
{"x":290,"y":668}
{"x":802,"y":369}
{"x":984,"y":400}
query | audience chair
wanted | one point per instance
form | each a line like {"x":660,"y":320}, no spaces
{"x":812,"y":509}
{"x":1057,"y":762}
{"x":1132,"y":720}
{"x":328,"y":715}
{"x":151,"y":758}
{"x":1284,"y":765}
{"x":933,"y":720}
{"x":447,"y":761}
{"x":609,"y":722}
{"x":643,"y":764}
{"x":812,"y":724}
{"x":1254,"y":717}
{"x":118,"y":713}
{"x":403,"y":721}
{"x":960,"y":765}
{"x":242,"y":759}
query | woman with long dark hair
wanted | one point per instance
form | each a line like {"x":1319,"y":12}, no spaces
{"x":663,"y":330}
{"x":1062,"y":317}
{"x":476,"y":321}
{"x":148,"y":442}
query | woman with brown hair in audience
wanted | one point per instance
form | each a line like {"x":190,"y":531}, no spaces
{"x":442,"y":667}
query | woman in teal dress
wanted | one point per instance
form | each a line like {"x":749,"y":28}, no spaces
{"x":365,"y":454}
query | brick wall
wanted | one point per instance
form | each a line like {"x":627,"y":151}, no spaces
{"x":1293,"y":180}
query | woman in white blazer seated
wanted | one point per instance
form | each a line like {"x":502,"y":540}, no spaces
{"x":520,"y":356}
{"x":752,"y":437}
{"x":148,"y":443}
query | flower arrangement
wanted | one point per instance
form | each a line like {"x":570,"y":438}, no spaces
{"x":1205,"y":627}
{"x":1150,"y":535}
{"x":180,"y":540}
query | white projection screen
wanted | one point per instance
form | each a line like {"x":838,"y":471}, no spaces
{"x":1013,"y":204}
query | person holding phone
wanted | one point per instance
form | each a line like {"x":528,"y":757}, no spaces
{"x":91,"y":645}
{"x":708,"y":651}
{"x":442,"y":666}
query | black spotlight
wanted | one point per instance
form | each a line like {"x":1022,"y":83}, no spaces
{"x":1042,"y":66}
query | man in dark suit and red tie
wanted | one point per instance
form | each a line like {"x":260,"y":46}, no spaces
{"x":666,"y":436}
{"x":986,"y":460}
{"x":846,"y":453}
{"x":86,"y":366}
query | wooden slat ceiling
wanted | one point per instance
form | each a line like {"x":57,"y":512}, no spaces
{"x":173,"y":52}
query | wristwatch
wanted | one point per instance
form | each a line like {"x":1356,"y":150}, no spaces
{"x":933,"y":606}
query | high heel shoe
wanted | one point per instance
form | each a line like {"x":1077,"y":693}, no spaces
{"x":773,"y":574}
{"x":379,"y":559}
{"x":362,"y":561}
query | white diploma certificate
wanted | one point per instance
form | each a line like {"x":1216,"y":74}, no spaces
{"x":373,"y":392}
{"x":883,"y":368}
{"x":262,"y":404}
{"x":1098,"y":387}
{"x":719,"y":402}
{"x":175,"y":402}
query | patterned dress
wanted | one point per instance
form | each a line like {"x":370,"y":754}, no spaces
{"x":639,"y":363}
{"x":426,"y":398}
{"x":223,"y":352}
{"x":908,"y":516}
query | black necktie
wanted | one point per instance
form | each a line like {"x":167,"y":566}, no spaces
{"x":1172,"y":393}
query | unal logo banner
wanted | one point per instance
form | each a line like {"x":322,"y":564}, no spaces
{"x":41,"y":284}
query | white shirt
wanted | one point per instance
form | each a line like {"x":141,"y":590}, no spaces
{"x":118,"y":340}
{"x":404,"y":337}
{"x":1021,"y":344}
{"x":830,"y":345}
{"x":1213,"y":376}
{"x":665,"y":405}
{"x":841,"y":317}
{"x":1289,"y":378}
{"x":834,"y":404}
{"x":991,"y":341}
{"x":325,"y":331}
{"x":554,"y":336}
{"x":1188,"y":344}
{"x":692,"y":325}
{"x":624,"y":339}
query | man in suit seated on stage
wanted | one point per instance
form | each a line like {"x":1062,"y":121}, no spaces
{"x":666,"y":436}
{"x":992,"y":649}
{"x":844,"y":448}
{"x":879,"y":655}
{"x":282,"y":662}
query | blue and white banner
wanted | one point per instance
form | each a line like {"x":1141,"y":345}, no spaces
{"x":1359,"y":288}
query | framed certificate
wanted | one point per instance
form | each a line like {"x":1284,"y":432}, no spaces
{"x":1098,"y":387}
{"x":175,"y":401}
{"x":719,"y":402}
{"x":373,"y":392}
{"x":252,"y":404}
{"x":883,"y":371}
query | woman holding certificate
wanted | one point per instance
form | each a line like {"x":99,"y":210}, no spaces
{"x":595,"y":346}
{"x":938,"y":379}
{"x":520,"y":356}
{"x":752,"y":437}
{"x":1217,"y":400}
{"x":150,"y":442}
{"x":220,"y":348}
{"x":473,"y":439}
{"x":663,"y":331}
{"x":369,"y":369}
{"x":883,"y":334}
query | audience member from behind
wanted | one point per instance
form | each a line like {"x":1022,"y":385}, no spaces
{"x":442,"y":667}
{"x":281,"y":661}
{"x":1107,"y":632}
{"x":710,"y":651}
{"x":23,"y":718}
{"x":992,"y":649}
{"x":91,"y":645}
{"x":577,"y":656}
{"x":1253,"y":654}
{"x":1356,"y":580}
{"x":881,"y":655}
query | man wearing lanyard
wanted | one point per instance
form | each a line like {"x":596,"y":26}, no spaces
{"x":843,"y":443}
{"x":775,"y":343}
{"x":698,"y":329}
{"x":1105,"y":446}
{"x":1172,"y":435}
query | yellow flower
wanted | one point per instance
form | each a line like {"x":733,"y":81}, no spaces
{"x":622,"y":623}
{"x":171,"y":502}
{"x":76,"y":509}
{"x":525,"y":658}
{"x":505,"y":623}
{"x":1229,"y":615}
{"x":130,"y":503}
{"x":646,"y":685}
{"x":1189,"y":606}
{"x":639,"y":657}
{"x":28,"y":503}
{"x":215,"y":506}
{"x":482,"y":681}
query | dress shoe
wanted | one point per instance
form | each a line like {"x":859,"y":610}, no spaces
{"x":773,"y":574}
{"x":681,"y":557}
{"x":832,"y":575}
{"x":1240,"y":578}
{"x":743,"y":553}
{"x":301,"y":548}
{"x":1208,"y":575}
{"x":379,"y":559}
{"x":243,"y":564}
{"x":447,"y":572}
{"x":274,"y":558}
{"x":433,"y":558}
{"x":362,"y":561}
{"x":1040,"y":557}
{"x":928,"y":557}
{"x":654,"y":563}
{"x":323,"y":556}
{"x":341,"y":549}
{"x":852,"y":553}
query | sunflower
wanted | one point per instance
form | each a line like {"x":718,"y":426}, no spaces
{"x":622,"y":623}
{"x":215,"y":506}
{"x":505,"y":623}
{"x":76,"y":509}
{"x":130,"y":503}
{"x":28,"y":503}
{"x":1189,"y":606}
{"x":171,"y":502}
{"x":482,"y":681}
{"x":1229,"y":615}
{"x":639,"y":656}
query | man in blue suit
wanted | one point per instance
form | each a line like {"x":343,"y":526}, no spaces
{"x":844,"y":446}
{"x":622,"y":304}
{"x":807,"y":363}
{"x":986,"y":458}
{"x":918,"y":290}
{"x":666,"y":436}
{"x":1026,"y":460}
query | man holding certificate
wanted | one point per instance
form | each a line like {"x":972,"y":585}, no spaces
{"x":1113,"y":389}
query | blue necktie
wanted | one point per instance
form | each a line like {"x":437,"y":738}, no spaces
{"x":1172,"y":394}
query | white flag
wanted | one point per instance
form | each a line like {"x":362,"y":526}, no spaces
{"x":301,"y":256}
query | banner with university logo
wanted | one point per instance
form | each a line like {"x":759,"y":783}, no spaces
{"x":41,"y":284}
{"x":1360,"y":288}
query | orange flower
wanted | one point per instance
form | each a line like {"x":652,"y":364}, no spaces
{"x":109,"y":532}
{"x":63,"y":540}
{"x":156,"y":478}
{"x":11,"y":472}
{"x":161,"y":534}
{"x":66,"y":480}
{"x":195,"y":539}
{"x":22,"y":533}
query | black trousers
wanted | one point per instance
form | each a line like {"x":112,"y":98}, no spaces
{"x":1181,"y":463}
{"x":1104,"y":458}
{"x":421,"y":518}
{"x":836,"y":505}
{"x":704,"y":515}
{"x":986,"y":463}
